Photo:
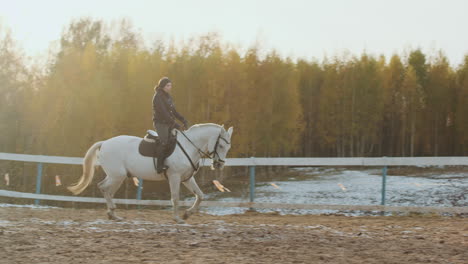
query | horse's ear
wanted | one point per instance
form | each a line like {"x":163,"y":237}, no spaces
{"x":230,"y":131}
{"x":222,"y":125}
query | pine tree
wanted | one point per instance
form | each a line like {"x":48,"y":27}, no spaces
{"x":461,"y":114}
{"x":412,"y":105}
{"x":13,"y":75}
{"x":440,"y":99}
{"x":311,"y":77}
{"x":392,"y":82}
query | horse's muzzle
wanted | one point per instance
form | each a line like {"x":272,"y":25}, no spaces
{"x":218,"y":165}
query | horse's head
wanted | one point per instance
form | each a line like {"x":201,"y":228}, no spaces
{"x":221,"y":148}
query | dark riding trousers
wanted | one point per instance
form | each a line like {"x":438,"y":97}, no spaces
{"x":163,"y":131}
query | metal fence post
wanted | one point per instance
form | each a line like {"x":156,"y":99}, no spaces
{"x":140,"y":187}
{"x":384,"y":183}
{"x":252,"y":183}
{"x":38,"y":181}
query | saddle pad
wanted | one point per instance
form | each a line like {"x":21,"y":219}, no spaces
{"x":149,"y":149}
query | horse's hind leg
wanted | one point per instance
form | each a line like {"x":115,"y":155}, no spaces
{"x":174,"y":184}
{"x":193,"y":187}
{"x":108,"y":188}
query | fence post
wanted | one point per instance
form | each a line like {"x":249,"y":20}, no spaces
{"x":140,"y":187}
{"x":384,"y":183}
{"x":38,"y":181}
{"x":252,"y":182}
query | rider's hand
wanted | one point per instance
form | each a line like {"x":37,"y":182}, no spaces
{"x":177,"y":126}
{"x":185,"y":124}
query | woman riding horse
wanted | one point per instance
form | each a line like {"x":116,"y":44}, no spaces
{"x":164,"y":118}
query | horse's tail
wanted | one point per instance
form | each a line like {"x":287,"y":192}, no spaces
{"x":88,"y":169}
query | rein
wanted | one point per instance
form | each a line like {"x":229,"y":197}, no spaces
{"x":195,"y":168}
{"x":201,"y":152}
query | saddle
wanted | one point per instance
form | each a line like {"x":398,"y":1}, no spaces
{"x":150,"y":143}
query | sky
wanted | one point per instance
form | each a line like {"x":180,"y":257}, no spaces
{"x":296,"y":28}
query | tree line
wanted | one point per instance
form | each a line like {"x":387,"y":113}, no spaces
{"x":99,"y":84}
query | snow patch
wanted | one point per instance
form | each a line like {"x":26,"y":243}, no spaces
{"x":32,"y":206}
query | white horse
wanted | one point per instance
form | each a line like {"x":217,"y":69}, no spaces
{"x":119,"y":156}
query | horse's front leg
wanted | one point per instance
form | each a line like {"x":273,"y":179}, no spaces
{"x":174,"y":183}
{"x":193,"y":187}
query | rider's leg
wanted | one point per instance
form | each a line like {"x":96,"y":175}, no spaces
{"x":163,"y":132}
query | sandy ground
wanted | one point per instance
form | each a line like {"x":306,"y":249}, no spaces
{"x":150,"y":236}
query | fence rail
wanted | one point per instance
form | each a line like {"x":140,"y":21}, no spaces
{"x":252,"y":163}
{"x":423,"y":209}
{"x":361,"y":161}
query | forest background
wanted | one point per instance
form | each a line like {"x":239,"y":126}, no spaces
{"x":99,"y":84}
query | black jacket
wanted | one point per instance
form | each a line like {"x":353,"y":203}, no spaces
{"x":164,"y":110}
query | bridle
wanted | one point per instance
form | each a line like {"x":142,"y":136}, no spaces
{"x":215,"y":149}
{"x":203,"y":154}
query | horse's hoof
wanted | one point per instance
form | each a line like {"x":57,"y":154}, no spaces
{"x":114,"y":217}
{"x":186,"y":216}
{"x":180,"y":221}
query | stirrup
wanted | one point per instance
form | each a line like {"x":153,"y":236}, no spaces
{"x":163,"y":169}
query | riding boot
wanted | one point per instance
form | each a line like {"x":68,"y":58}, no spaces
{"x":161,"y":167}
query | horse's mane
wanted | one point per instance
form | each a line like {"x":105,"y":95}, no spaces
{"x":196,"y":126}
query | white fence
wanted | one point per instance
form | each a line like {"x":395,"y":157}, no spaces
{"x":384,"y":161}
{"x":252,"y":163}
{"x":425,"y":209}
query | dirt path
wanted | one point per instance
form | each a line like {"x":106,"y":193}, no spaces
{"x":150,"y":236}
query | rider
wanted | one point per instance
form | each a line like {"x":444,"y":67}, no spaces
{"x":164,"y":118}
